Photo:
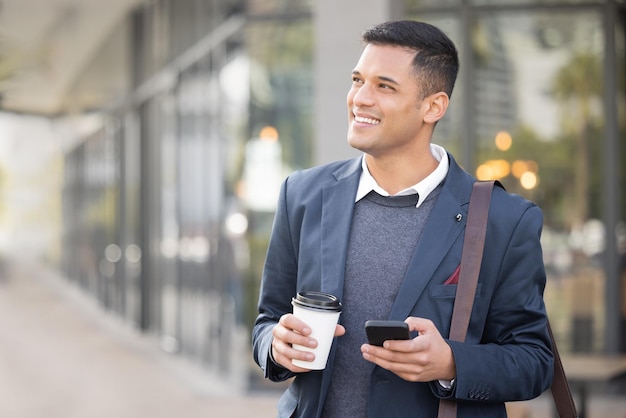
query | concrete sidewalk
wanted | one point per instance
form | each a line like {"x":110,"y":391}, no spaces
{"x":63,"y":359}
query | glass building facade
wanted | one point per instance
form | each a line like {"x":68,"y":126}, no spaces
{"x":168,"y":204}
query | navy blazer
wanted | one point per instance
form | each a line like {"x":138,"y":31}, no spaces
{"x":507,"y":352}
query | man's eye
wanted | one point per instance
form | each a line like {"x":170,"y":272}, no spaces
{"x":385,"y":86}
{"x":356,"y":80}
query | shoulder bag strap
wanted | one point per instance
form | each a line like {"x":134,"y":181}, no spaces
{"x":560,"y":389}
{"x":471,"y":259}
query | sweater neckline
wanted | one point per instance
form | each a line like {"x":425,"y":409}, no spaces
{"x":393,"y":201}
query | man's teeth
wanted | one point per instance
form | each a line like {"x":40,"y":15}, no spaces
{"x":366,"y":120}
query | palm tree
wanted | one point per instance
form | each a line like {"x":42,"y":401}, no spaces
{"x":578,"y":86}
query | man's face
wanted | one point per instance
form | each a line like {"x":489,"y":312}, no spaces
{"x":384,"y":106}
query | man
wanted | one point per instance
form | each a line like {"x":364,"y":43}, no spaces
{"x":384,"y":233}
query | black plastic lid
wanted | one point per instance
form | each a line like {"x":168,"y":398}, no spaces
{"x":317,"y":300}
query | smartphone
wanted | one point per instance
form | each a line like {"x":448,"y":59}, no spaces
{"x":380,"y":331}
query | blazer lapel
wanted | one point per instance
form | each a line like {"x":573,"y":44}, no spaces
{"x":337,"y":208}
{"x":441,"y":232}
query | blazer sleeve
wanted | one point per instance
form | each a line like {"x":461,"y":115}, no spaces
{"x":513,"y":360}
{"x":278,"y":286}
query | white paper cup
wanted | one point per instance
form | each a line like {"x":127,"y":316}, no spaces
{"x":320,"y":311}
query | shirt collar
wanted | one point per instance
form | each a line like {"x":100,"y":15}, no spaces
{"x":367,"y":183}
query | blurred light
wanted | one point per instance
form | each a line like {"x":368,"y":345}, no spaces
{"x":169,"y":247}
{"x":493,"y":170}
{"x":528,"y":180}
{"x":230,"y":80}
{"x":194,"y":248}
{"x":133,"y":253}
{"x":200,"y":248}
{"x":237,"y":224}
{"x":269,"y":133}
{"x":502,"y":168}
{"x":589,"y":237}
{"x":503,"y":140}
{"x":519,"y":167}
{"x":484,"y":172}
{"x":113,"y":253}
{"x":263,"y":171}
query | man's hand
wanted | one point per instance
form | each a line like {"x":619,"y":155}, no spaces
{"x":425,"y":358}
{"x":290,"y":330}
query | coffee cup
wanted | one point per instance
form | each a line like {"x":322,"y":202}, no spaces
{"x":320,"y":311}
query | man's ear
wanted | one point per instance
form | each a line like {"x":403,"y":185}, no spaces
{"x":437,"y":106}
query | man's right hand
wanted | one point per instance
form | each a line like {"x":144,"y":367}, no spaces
{"x":290,"y":330}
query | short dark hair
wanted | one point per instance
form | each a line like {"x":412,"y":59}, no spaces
{"x":436,"y":60}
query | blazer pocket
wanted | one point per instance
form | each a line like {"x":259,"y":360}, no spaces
{"x":448,"y":290}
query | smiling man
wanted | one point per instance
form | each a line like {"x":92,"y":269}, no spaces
{"x":384,"y":233}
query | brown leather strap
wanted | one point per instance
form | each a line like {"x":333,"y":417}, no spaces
{"x":471,"y":259}
{"x":561,"y":392}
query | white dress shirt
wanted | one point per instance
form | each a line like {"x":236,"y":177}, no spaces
{"x":367,"y":183}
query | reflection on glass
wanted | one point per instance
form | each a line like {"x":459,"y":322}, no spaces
{"x":539,"y":127}
{"x":280,"y":53}
{"x":281,"y":85}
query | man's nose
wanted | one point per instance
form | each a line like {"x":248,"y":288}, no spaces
{"x":363,"y":96}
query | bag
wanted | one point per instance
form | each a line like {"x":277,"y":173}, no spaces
{"x":471,"y":259}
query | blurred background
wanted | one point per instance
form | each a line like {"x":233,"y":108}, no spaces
{"x":143,"y":142}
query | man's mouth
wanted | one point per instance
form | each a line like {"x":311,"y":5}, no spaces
{"x":370,"y":121}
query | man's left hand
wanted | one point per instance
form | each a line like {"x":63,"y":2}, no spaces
{"x":425,"y":358}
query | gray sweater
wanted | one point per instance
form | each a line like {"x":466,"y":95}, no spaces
{"x":384,"y":233}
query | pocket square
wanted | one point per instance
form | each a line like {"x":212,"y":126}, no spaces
{"x":454,"y":277}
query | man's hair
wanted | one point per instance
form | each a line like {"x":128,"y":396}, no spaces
{"x":436,"y":61}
